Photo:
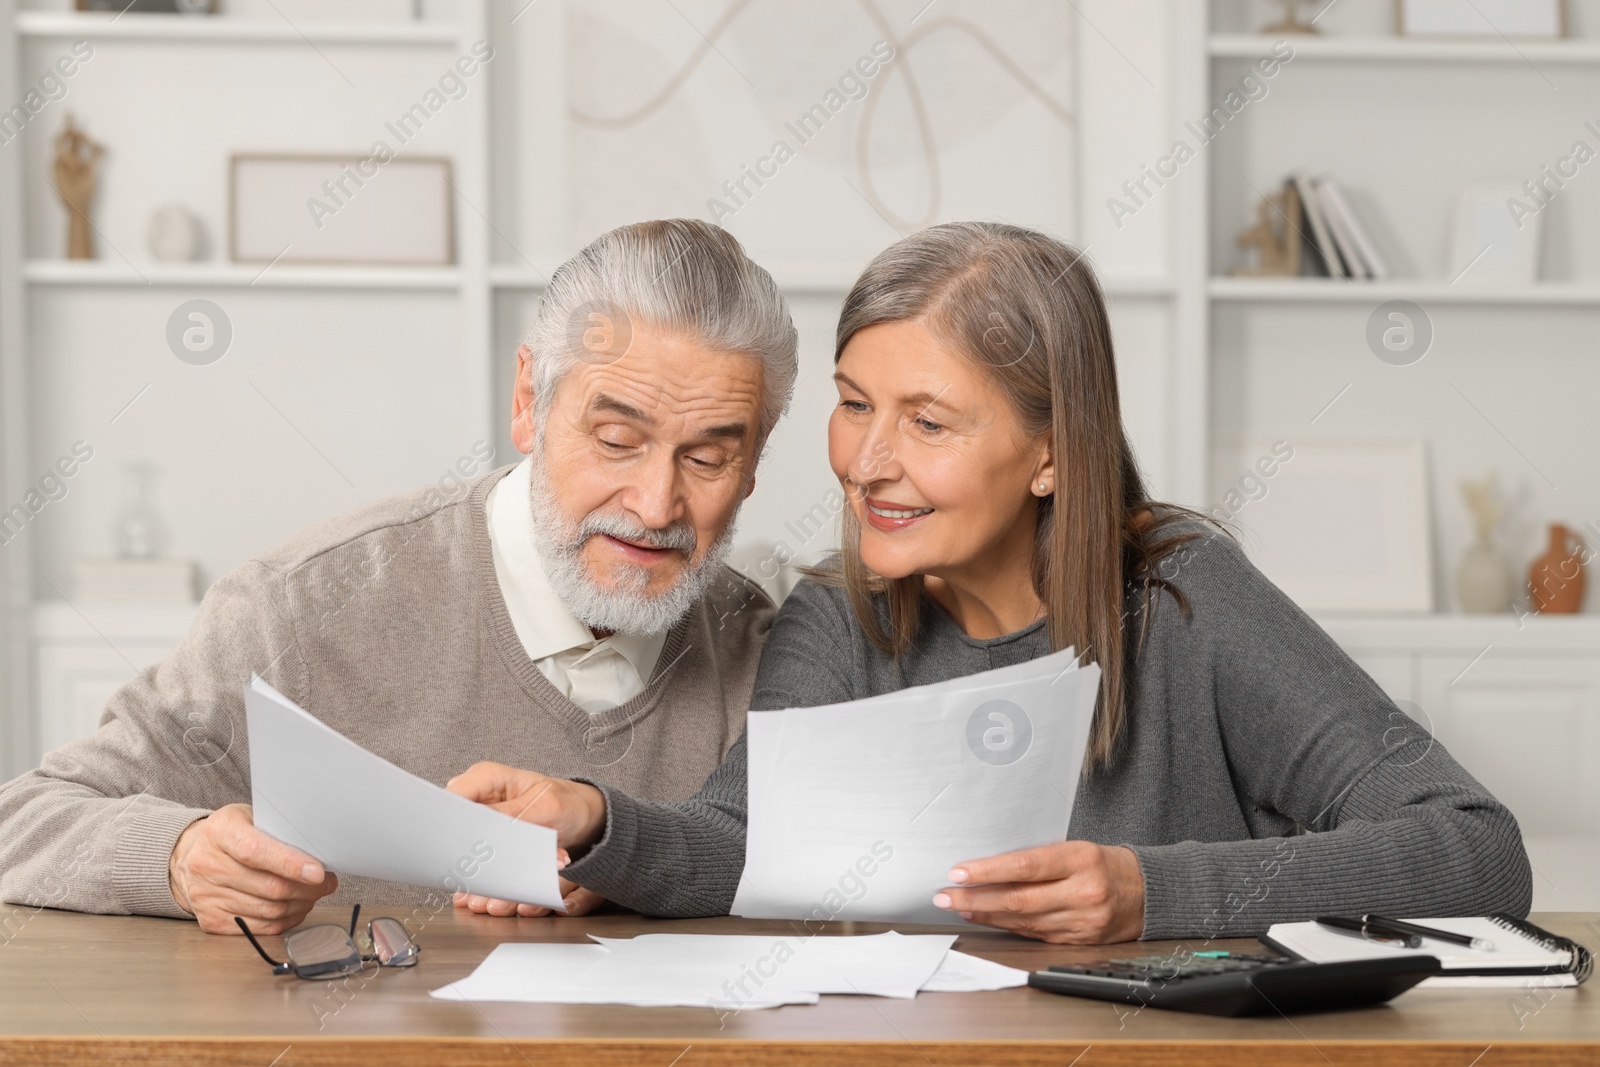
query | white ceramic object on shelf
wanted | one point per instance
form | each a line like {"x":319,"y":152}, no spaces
{"x":174,"y":234}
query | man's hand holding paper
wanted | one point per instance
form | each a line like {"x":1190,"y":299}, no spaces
{"x":222,"y":867}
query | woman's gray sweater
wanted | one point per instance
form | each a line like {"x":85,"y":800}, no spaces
{"x":1262,"y":776}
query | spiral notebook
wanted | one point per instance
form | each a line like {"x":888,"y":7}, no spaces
{"x":1522,"y":951}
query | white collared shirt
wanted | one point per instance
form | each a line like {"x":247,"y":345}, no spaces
{"x":593,"y":674}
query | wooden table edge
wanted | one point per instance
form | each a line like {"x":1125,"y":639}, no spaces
{"x":300,"y":1051}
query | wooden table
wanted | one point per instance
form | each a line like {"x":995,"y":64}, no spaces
{"x":101,"y":990}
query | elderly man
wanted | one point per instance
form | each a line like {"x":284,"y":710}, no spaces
{"x":572,"y":613}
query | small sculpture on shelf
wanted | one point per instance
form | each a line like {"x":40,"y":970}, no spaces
{"x":1291,"y":19}
{"x":1275,"y":236}
{"x":1483,"y":580}
{"x":77,"y":159}
{"x":1556,"y":580}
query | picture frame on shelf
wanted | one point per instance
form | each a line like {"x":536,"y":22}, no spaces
{"x":1339,"y":525}
{"x":350,"y":210}
{"x":1497,"y":19}
{"x":150,"y":7}
{"x":364,"y":12}
{"x":1493,"y":242}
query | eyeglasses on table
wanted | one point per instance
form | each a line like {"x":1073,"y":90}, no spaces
{"x":325,"y":951}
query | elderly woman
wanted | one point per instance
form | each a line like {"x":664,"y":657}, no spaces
{"x":1241,"y":769}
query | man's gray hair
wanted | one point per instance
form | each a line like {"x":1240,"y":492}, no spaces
{"x":682,"y":276}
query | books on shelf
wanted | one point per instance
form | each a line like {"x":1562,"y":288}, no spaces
{"x":1334,"y":242}
{"x":1344,"y":218}
{"x":1315,"y":229}
{"x":1309,"y":228}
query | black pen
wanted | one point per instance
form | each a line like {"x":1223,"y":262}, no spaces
{"x":1370,"y":931}
{"x":1377,"y":921}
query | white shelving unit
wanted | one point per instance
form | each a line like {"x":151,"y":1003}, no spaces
{"x":97,"y":25}
{"x":1403,"y":50}
{"x":60,"y":657}
{"x":1357,"y":94}
{"x":58,"y":272}
{"x":1515,"y":700}
{"x":1335,"y":291}
{"x":16,"y":568}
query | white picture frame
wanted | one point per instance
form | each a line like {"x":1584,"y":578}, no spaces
{"x":1492,"y":242}
{"x":1339,"y":526}
{"x":1457,"y":19}
{"x":340,"y":210}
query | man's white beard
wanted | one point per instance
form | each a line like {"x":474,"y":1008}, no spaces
{"x":626,"y":608}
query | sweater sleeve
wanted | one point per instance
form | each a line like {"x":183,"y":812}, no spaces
{"x":682,"y":860}
{"x":93,"y":827}
{"x":1392,"y":823}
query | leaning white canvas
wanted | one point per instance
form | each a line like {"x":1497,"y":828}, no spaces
{"x":361,"y":815}
{"x":1492,"y":19}
{"x":859,"y":810}
{"x":1497,"y":238}
{"x":341,"y":210}
{"x":1340,"y":526}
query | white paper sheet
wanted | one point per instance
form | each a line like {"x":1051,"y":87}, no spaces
{"x":561,"y":974}
{"x":716,"y":971}
{"x":361,"y":815}
{"x":961,"y":973}
{"x":738,"y":966}
{"x":859,"y":810}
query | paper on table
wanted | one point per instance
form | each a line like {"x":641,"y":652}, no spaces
{"x":542,"y":973}
{"x":736,"y":966}
{"x":961,"y":973}
{"x":722,"y":972}
{"x":361,"y":815}
{"x":858,"y":810}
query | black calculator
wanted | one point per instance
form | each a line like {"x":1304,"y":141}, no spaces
{"x":1227,"y":983}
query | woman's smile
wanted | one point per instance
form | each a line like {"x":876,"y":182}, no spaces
{"x":887,"y":516}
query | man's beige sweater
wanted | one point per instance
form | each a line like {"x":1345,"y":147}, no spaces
{"x":387,"y":623}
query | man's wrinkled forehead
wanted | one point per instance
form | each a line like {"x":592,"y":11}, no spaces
{"x":731,"y":432}
{"x":716,"y":397}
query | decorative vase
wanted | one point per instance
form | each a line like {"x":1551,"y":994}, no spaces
{"x":1483,"y":581}
{"x":138,"y":527}
{"x":1556,"y":579}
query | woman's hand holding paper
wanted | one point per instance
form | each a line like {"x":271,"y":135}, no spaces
{"x":1075,"y":892}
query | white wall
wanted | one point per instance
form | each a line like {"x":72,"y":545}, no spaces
{"x":1002,"y":153}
